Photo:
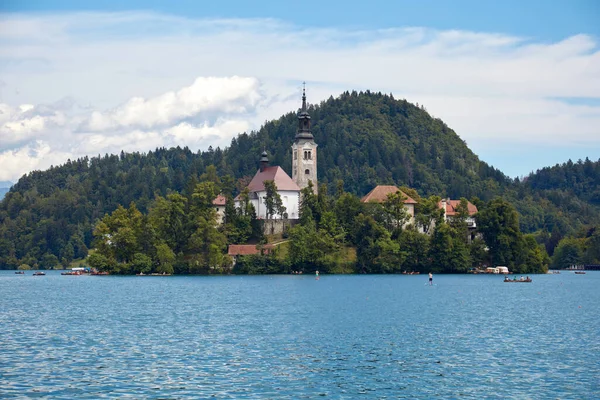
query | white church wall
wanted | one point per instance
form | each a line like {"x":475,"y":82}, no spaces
{"x":290,"y":200}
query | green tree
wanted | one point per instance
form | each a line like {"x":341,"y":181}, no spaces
{"x":100,"y":262}
{"x":141,"y":264}
{"x":165,"y":257}
{"x":499,"y":224}
{"x":567,"y":253}
{"x":168,"y":216}
{"x":428,"y":213}
{"x":395,"y":211}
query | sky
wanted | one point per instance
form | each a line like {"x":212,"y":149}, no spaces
{"x":519,"y":81}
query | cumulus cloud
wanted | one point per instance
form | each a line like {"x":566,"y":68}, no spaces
{"x":38,"y":155}
{"x":208,"y":96}
{"x":26,"y":122}
{"x":199,"y":82}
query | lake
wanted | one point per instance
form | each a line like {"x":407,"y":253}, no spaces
{"x":355,"y":336}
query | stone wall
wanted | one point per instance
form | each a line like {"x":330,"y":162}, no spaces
{"x":277,"y":226}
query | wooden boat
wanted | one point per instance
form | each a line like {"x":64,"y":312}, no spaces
{"x":39,"y":273}
{"x":517,"y":280}
{"x":20,"y":272}
{"x":580,"y":272}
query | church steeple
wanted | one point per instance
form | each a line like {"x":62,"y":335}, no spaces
{"x":304,"y":151}
{"x":304,"y":120}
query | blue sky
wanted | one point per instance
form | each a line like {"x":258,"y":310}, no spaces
{"x":519,"y":81}
{"x":546,"y":19}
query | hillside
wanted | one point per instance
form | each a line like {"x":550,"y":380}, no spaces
{"x":364,"y":139}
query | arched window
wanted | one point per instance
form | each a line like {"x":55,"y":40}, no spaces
{"x":307,"y":171}
{"x":305,"y":154}
{"x":309,"y":155}
{"x":295,"y":155}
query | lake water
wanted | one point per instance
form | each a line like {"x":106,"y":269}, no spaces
{"x":65,"y":337}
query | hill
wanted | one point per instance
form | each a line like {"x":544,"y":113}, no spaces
{"x":364,"y":139}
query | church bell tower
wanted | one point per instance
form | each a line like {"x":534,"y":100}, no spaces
{"x":304,"y":151}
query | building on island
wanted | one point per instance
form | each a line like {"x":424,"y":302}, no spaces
{"x":236,"y":250}
{"x":304,"y":151}
{"x":380,"y":193}
{"x":450,"y":211}
{"x":304,"y":169}
{"x":219,"y":204}
{"x":286,"y":188}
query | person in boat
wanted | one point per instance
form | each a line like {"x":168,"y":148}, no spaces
{"x":430,"y":279}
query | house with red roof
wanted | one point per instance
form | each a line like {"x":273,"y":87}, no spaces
{"x":380,"y":193}
{"x":450,"y":211}
{"x":288,"y":190}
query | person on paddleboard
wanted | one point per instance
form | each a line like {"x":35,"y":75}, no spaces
{"x":430,"y":279}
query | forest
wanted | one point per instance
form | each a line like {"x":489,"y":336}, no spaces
{"x":49,"y":218}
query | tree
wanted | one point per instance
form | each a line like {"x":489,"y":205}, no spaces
{"x":415,"y":245}
{"x":165,"y":257}
{"x":567,"y":253}
{"x":309,"y":205}
{"x":141,"y":264}
{"x":100,"y":262}
{"x":428,"y":213}
{"x":168,"y":216}
{"x":49,"y":261}
{"x":499,"y":224}
{"x":395,"y":210}
{"x":271,"y":198}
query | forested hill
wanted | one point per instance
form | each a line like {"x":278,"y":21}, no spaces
{"x":364,"y":139}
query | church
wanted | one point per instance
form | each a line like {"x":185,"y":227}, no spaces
{"x":304,"y":169}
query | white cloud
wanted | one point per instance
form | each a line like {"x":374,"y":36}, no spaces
{"x":199,"y":82}
{"x":205,"y":96}
{"x":38,"y":155}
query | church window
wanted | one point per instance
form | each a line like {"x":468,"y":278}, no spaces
{"x":305,"y":154}
{"x":307,"y":172}
{"x":295,"y":155}
{"x":309,"y":155}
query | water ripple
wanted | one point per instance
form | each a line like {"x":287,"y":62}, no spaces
{"x":294,"y":337}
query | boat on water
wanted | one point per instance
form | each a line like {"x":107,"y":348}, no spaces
{"x":72,"y":273}
{"x":39,"y":273}
{"x":507,"y":279}
{"x":20,"y":272}
{"x":580,"y":272}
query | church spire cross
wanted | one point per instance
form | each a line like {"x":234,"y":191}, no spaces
{"x":303,"y":118}
{"x":303,"y":96}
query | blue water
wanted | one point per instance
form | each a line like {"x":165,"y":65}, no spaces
{"x":65,"y":337}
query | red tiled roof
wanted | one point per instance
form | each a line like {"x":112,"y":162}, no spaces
{"x":451,"y":206}
{"x":274,"y":173}
{"x":248,"y":249}
{"x":220,"y":200}
{"x":380,"y":192}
